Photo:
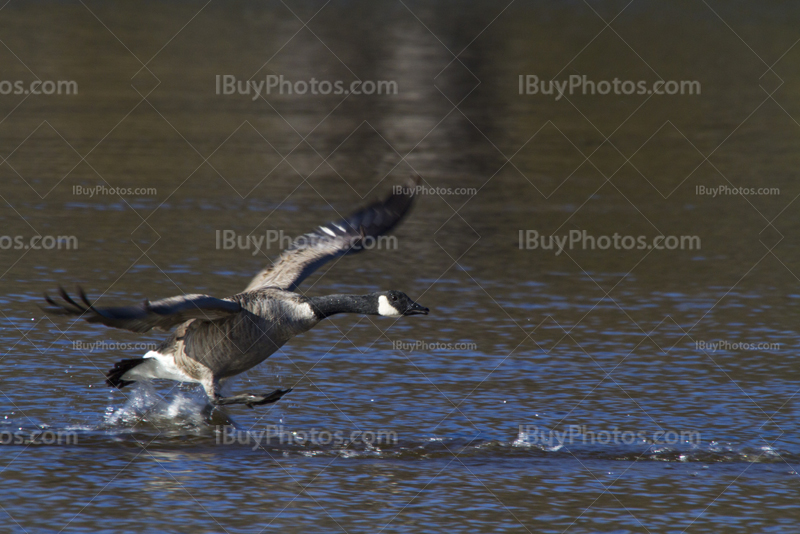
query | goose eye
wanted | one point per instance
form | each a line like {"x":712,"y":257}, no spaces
{"x":394,"y":298}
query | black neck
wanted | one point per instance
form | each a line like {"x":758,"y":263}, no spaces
{"x":332,"y":304}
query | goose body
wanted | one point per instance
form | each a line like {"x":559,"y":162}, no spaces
{"x":214,"y":339}
{"x":199,"y":351}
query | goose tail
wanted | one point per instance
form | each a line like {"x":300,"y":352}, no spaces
{"x":114,"y":376}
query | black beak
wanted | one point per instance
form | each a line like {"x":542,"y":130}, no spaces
{"x":416,"y":309}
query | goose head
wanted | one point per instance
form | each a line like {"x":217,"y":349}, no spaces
{"x":397,"y":304}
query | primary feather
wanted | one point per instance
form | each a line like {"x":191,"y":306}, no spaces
{"x":162,"y":314}
{"x":312,"y":250}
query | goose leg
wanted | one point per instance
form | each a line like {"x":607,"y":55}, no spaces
{"x":250,"y":400}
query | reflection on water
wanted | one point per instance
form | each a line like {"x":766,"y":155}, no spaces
{"x":605,"y":341}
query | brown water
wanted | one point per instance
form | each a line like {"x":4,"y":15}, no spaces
{"x":590,"y":341}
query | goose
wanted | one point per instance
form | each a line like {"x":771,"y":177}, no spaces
{"x":216,"y":339}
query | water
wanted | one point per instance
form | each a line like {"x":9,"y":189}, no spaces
{"x":583,"y":395}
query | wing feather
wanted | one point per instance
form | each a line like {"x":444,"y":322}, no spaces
{"x":162,"y":314}
{"x":310,"y":251}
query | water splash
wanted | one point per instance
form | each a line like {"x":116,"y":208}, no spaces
{"x":144,"y":405}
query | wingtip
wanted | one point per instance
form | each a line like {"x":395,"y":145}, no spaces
{"x":55,"y":305}
{"x":411,"y":184}
{"x":84,"y":298}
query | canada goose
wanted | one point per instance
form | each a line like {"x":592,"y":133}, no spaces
{"x":216,"y":339}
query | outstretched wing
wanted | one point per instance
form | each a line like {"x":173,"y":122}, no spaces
{"x":162,"y":314}
{"x":351,"y":234}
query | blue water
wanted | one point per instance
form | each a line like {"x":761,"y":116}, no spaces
{"x":604,"y":390}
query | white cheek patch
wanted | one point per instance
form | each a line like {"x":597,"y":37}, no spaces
{"x":305,"y":312}
{"x":386,"y":309}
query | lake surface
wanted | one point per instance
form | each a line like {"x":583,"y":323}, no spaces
{"x":634,"y":383}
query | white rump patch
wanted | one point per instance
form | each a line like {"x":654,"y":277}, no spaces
{"x":386,"y":309}
{"x":157,"y":366}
